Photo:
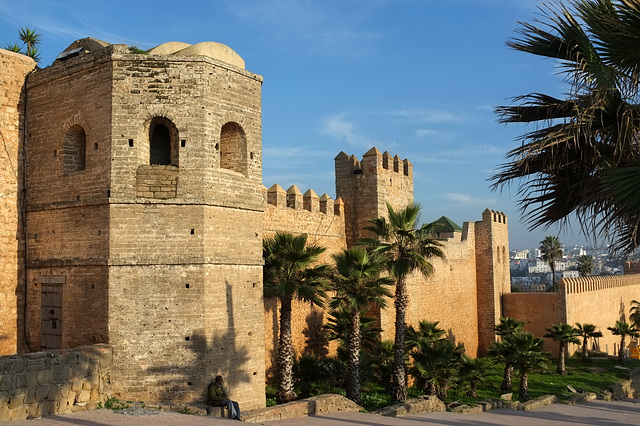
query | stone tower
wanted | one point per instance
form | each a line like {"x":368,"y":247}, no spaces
{"x":14,"y":68}
{"x":366,"y":186}
{"x":492,"y":272}
{"x":139,"y":169}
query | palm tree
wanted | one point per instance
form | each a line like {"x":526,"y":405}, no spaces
{"x":30,"y":40}
{"x":585,"y":265}
{"x":623,"y":329}
{"x":437,"y":364}
{"x":288,"y":274}
{"x":634,"y":316}
{"x":529,"y":355}
{"x":428,"y":330}
{"x":506,"y":328}
{"x":406,"y":249}
{"x":474,"y":371}
{"x":358,"y":285}
{"x":581,"y":158}
{"x":587,"y":331}
{"x":339,"y":323}
{"x":551,"y":249}
{"x":505,"y":353}
{"x":563,"y":334}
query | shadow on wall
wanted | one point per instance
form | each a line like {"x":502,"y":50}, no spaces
{"x":316,"y":342}
{"x":623,"y":315}
{"x":222,"y":347}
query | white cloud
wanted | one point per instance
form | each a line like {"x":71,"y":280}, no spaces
{"x":467,"y":199}
{"x":338,"y":127}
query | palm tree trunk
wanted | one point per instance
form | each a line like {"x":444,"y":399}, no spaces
{"x":561,"y":364}
{"x":585,"y":353}
{"x":431,"y":388}
{"x":621,"y":350}
{"x":401,"y":300}
{"x":506,"y":380}
{"x":353,"y":365}
{"x":473,"y":392}
{"x":553,"y":277}
{"x":285,"y":354}
{"x":524,"y":386}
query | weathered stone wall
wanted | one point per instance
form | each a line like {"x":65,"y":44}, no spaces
{"x":538,"y":311}
{"x":601,"y":301}
{"x":447,"y":296}
{"x":492,"y":274}
{"x":322,"y":220}
{"x":14,"y":68}
{"x":54,"y":382}
{"x":594,"y":300}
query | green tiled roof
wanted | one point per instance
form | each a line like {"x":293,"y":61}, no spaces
{"x":444,"y":224}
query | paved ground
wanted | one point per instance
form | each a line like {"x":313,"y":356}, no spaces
{"x":600,"y":413}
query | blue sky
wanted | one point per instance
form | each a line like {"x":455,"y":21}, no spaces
{"x":419,"y":78}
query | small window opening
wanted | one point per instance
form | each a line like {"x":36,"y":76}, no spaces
{"x":183,"y":143}
{"x":130,"y":142}
{"x":186,"y":285}
{"x":160,"y":146}
{"x":233,"y":148}
{"x":75,"y":147}
{"x":193,"y":231}
{"x":95,"y":146}
{"x":187,"y":338}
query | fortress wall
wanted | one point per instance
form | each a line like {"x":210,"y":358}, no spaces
{"x":601,"y":301}
{"x":447,"y":296}
{"x":538,"y":311}
{"x":325,"y":229}
{"x":14,"y":69}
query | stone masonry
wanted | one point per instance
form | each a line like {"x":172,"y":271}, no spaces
{"x":145,"y":212}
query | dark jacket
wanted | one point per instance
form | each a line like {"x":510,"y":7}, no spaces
{"x":216,"y":394}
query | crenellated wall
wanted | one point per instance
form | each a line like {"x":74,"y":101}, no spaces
{"x":322,"y":220}
{"x":600,"y":300}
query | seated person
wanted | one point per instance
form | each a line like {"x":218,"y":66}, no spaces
{"x":218,"y":397}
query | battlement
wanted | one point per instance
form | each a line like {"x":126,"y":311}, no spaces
{"x":294,"y":199}
{"x":585,"y":284}
{"x":489,"y":216}
{"x":373,"y":161}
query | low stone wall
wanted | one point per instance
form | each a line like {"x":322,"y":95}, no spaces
{"x":314,"y":406}
{"x":58,"y":381}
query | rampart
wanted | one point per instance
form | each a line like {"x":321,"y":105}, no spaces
{"x":600,"y":300}
{"x":54,"y":382}
{"x":322,"y":220}
{"x":15,"y":68}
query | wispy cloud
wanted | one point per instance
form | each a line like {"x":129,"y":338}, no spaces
{"x":339,"y":128}
{"x":468,"y":199}
{"x":428,"y":115}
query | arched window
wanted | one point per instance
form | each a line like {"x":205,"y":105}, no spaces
{"x":75,"y":149}
{"x":163,"y":142}
{"x":233,"y":148}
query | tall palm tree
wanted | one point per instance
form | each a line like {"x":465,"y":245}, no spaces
{"x":587,"y":331}
{"x":623,"y":329}
{"x":551,"y":250}
{"x":529,"y":355}
{"x":506,"y":328}
{"x":585,"y":265}
{"x":506,"y":353}
{"x":339,"y":323}
{"x":406,"y":249}
{"x":563,"y":334}
{"x":582,"y":158}
{"x":288,"y":274}
{"x":358,"y":285}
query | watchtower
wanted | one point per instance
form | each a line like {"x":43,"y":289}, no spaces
{"x":366,"y":186}
{"x":492,"y":272}
{"x":137,"y":180}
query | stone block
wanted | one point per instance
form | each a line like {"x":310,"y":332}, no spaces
{"x":5,"y":413}
{"x":41,"y":392}
{"x":7,"y":381}
{"x":16,"y":399}
{"x":19,"y":413}
{"x":45,"y":376}
{"x":538,"y":402}
{"x":62,"y":372}
{"x":30,"y":395}
{"x":83,"y":396}
{"x":55,"y":392}
{"x":76,"y":384}
{"x":19,"y":365}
